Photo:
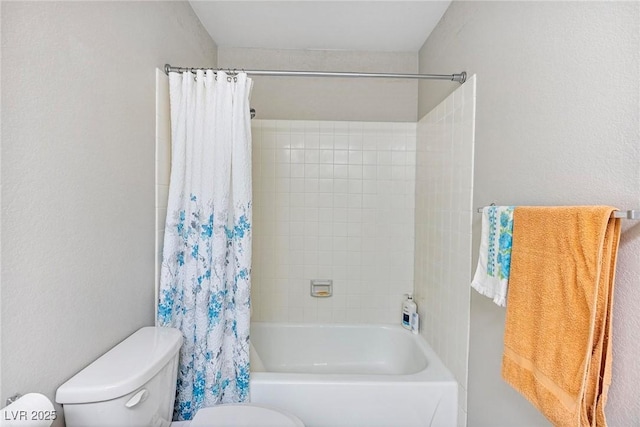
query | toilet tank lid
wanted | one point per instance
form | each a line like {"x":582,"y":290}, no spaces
{"x":124,"y":368}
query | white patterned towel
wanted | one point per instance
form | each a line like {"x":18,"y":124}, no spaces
{"x":492,"y":274}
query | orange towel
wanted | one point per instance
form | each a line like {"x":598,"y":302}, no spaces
{"x":557,"y":341}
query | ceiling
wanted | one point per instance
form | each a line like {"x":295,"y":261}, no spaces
{"x":391,"y":26}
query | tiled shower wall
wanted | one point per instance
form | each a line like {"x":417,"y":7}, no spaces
{"x":444,"y":186}
{"x":332,"y":200}
{"x":163,"y":165}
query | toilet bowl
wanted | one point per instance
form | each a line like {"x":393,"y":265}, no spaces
{"x":244,"y":415}
{"x":134,"y":385}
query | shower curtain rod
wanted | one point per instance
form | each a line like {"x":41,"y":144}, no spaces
{"x":460,"y":77}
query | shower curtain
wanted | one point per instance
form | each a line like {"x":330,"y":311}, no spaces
{"x":206,"y":267}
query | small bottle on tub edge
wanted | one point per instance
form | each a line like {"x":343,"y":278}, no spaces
{"x":409,"y":310}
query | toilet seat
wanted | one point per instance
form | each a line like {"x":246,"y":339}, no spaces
{"x":244,"y":415}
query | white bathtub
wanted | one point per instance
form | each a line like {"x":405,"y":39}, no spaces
{"x":351,"y":375}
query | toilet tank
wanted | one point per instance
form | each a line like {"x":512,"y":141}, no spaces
{"x":133,"y":384}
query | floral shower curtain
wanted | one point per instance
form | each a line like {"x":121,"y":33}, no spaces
{"x":205,"y":278}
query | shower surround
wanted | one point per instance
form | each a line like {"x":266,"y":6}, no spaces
{"x":444,"y":212}
{"x":332,"y":200}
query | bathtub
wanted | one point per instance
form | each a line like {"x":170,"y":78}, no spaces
{"x":335,"y":375}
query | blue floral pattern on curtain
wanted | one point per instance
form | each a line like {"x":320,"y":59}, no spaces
{"x":206,"y":269}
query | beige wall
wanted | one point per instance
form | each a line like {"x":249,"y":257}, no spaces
{"x":311,"y":98}
{"x":78,"y":126}
{"x":557,"y":123}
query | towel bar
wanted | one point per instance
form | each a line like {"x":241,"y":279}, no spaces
{"x":630,"y":214}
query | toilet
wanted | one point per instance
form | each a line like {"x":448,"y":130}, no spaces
{"x":134,"y":385}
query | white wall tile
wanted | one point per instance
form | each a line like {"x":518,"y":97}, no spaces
{"x":443,"y":216}
{"x":338,"y":201}
{"x":163,"y":167}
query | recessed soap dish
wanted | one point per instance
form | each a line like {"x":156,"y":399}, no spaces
{"x":321,"y":288}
